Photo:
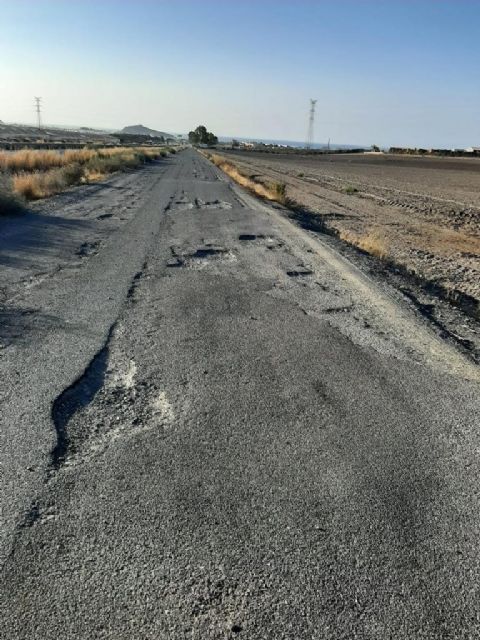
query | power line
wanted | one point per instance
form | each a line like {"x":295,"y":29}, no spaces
{"x":38,"y":109}
{"x":311,"y":119}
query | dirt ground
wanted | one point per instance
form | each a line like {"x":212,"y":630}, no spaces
{"x":422,"y":214}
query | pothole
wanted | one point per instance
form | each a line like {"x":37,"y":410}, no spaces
{"x":87,"y":249}
{"x":183,"y":204}
{"x":208,"y":251}
{"x":299,"y":273}
{"x":339,"y":309}
{"x":249,"y":237}
{"x":200,"y":257}
{"x":270,"y":242}
{"x":213,"y":204}
{"x":175,"y":262}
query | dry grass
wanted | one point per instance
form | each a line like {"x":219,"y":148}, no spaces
{"x":31,"y":160}
{"x":42,"y":184}
{"x":372,"y":242}
{"x":275,"y":191}
{"x":40,"y":174}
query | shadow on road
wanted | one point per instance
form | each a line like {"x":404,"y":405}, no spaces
{"x":31,"y":239}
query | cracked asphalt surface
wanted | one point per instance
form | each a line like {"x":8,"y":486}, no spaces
{"x":213,"y":426}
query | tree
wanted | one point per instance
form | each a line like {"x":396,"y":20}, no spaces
{"x":211,"y":139}
{"x":202,"y":136}
{"x":193,"y":137}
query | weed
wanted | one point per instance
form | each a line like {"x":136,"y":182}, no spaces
{"x":372,"y":242}
{"x":350,"y":190}
{"x":279,"y":191}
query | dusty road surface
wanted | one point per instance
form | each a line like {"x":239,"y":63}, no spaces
{"x":214,"y":426}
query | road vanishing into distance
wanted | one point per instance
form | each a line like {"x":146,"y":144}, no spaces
{"x":215,"y":426}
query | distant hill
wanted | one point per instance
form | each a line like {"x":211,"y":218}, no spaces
{"x":140,"y":130}
{"x":24,"y":133}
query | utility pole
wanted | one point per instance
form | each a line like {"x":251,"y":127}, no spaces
{"x":38,"y":109}
{"x":310,"y":124}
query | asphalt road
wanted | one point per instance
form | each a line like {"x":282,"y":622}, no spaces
{"x":213,"y":426}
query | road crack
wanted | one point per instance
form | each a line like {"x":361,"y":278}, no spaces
{"x":76,"y":397}
{"x":72,"y":400}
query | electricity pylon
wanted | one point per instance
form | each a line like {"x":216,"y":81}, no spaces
{"x":311,"y":120}
{"x":38,"y":109}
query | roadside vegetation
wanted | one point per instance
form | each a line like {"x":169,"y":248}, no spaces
{"x":373,"y":242}
{"x":275,"y":191}
{"x":31,"y":174}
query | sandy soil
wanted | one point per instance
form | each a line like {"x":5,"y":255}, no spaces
{"x":423,"y":214}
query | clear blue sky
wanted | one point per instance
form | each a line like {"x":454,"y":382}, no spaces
{"x":389,"y":72}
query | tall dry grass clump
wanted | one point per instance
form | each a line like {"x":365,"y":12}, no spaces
{"x":275,"y":191}
{"x":40,"y":174}
{"x":33,"y":160}
{"x":27,"y":160}
{"x":372,"y":242}
{"x":42,"y":184}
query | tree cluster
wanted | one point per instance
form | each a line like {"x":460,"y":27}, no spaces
{"x":202,"y":136}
